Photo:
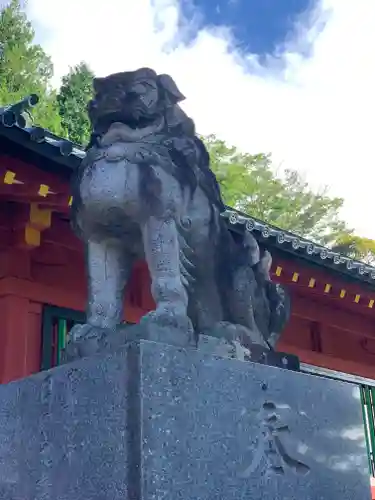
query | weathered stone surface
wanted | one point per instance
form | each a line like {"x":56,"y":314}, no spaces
{"x":160,"y":422}
{"x":106,"y":341}
{"x":204,"y":421}
{"x":63,"y":433}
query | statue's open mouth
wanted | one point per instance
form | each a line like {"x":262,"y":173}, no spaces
{"x":134,"y":123}
{"x":120,"y":130}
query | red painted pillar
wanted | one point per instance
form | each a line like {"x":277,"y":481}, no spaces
{"x":14,"y":337}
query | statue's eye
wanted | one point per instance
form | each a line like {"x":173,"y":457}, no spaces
{"x":138,"y":88}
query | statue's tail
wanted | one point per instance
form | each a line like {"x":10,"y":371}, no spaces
{"x":280,"y":310}
{"x":277,"y":298}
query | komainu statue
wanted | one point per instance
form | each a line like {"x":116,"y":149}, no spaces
{"x":145,"y":190}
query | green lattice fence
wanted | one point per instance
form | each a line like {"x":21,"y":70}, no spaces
{"x":368,"y":408}
{"x":367,"y":392}
{"x":56,"y":324}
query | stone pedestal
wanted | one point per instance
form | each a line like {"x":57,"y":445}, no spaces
{"x":156,"y":422}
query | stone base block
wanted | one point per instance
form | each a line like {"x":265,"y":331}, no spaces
{"x":157,"y":422}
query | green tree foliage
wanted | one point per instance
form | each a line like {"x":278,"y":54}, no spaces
{"x":75,"y":92}
{"x":24,"y":67}
{"x":356,"y":247}
{"x":249,"y":184}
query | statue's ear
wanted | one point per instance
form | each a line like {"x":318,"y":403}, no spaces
{"x":98,"y":84}
{"x":172,"y":93}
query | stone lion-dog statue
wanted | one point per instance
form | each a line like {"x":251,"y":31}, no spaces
{"x":145,"y":190}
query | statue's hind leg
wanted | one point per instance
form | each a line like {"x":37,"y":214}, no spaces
{"x":243,"y":304}
{"x":162,"y":250}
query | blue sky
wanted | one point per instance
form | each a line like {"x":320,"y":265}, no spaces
{"x":294,"y":78}
{"x":259,"y":26}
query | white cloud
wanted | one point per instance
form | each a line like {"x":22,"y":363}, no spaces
{"x":315,"y":114}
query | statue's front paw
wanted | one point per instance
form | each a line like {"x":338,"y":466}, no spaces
{"x":84,"y":340}
{"x":168,"y":327}
{"x":80,"y":333}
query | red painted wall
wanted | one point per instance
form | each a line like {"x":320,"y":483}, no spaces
{"x":335,"y":332}
{"x":56,"y":276}
{"x":323,"y":329}
{"x":47,"y":275}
